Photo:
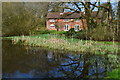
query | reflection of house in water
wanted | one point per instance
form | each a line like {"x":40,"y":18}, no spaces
{"x":50,"y":56}
{"x":46,"y":64}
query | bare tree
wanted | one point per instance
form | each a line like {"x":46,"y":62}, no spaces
{"x":59,"y":24}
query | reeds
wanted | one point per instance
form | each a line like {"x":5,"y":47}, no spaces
{"x":67,"y":44}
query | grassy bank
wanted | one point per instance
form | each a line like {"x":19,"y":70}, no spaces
{"x":68,"y":44}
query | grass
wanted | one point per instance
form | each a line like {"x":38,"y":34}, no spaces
{"x":47,"y":36}
{"x":67,"y":44}
{"x":114,"y":74}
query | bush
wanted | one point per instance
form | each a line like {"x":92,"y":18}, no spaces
{"x":48,"y":32}
{"x":70,"y":33}
{"x":81,"y":35}
{"x":59,"y":32}
{"x":105,"y":33}
{"x":100,"y":33}
{"x":41,"y":32}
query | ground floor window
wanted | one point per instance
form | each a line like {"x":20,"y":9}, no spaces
{"x":52,"y":26}
{"x":77,"y":28}
{"x":66,"y":27}
{"x":66,"y":20}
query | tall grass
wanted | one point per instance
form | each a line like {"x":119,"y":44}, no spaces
{"x":69,"y":44}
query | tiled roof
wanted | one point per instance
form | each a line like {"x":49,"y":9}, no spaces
{"x":66,"y":15}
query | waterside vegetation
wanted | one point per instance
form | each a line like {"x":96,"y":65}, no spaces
{"x":67,"y":44}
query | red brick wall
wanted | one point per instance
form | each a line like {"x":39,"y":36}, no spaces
{"x":70,"y":23}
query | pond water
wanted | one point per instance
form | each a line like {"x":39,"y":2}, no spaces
{"x":36,"y":62}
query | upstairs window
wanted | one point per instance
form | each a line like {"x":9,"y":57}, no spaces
{"x":66,"y":20}
{"x":77,"y":27}
{"x":52,"y":20}
{"x":52,"y":26}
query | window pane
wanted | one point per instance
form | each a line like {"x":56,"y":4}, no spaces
{"x":52,"y":20}
{"x":76,"y":28}
{"x":66,"y":27}
{"x":52,"y":26}
{"x":66,"y":20}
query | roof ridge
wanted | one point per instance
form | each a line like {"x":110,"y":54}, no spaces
{"x":74,"y":15}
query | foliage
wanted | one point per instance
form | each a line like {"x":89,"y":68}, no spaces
{"x":70,"y":32}
{"x":114,"y":74}
{"x":84,"y":35}
{"x":41,"y":32}
{"x":105,"y":33}
{"x":47,"y":32}
{"x":14,"y":19}
{"x":100,"y":33}
{"x":21,"y":18}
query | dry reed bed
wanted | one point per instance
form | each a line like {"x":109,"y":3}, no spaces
{"x":60,"y":44}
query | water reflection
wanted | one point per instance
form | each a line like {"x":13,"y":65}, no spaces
{"x":35,"y":62}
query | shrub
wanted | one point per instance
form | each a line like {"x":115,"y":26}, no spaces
{"x":48,"y":32}
{"x":81,"y":35}
{"x":70,"y":33}
{"x":103,"y":32}
{"x":59,"y":32}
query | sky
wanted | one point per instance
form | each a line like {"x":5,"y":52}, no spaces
{"x":114,"y":5}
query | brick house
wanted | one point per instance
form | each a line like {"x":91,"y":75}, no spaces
{"x":65,"y":21}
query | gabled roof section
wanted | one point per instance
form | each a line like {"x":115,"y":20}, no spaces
{"x":69,"y":15}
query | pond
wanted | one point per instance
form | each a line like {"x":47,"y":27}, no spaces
{"x":39,"y":63}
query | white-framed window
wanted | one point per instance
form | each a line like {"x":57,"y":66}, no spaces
{"x":77,"y":20}
{"x":52,"y":20}
{"x":66,"y":20}
{"x":66,"y":27}
{"x":76,"y":27}
{"x":52,"y":26}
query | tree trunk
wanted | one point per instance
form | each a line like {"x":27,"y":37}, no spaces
{"x":118,"y":27}
{"x":87,"y":14}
